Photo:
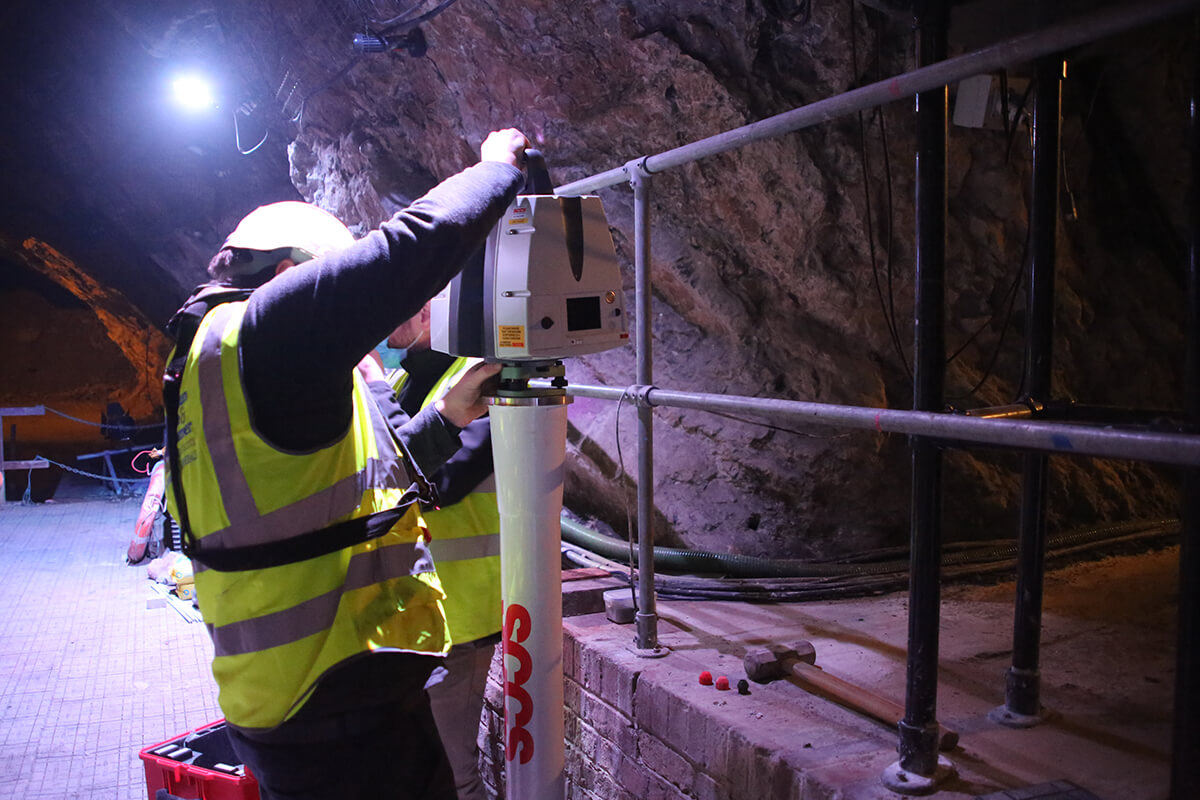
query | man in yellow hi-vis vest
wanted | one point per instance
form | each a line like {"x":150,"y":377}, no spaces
{"x":465,"y":541}
{"x":298,"y":501}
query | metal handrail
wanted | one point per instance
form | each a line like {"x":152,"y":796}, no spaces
{"x":639,"y":172}
{"x":924,"y":425}
{"x":1059,"y":438}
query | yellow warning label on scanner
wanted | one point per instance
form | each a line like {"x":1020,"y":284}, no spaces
{"x":510,"y":336}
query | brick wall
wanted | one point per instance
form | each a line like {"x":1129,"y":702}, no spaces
{"x":642,"y":729}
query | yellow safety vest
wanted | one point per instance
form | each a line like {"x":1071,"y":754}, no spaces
{"x":465,"y":542}
{"x":277,"y":631}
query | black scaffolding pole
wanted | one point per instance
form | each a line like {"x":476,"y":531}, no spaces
{"x":918,"y":730}
{"x":1185,"y":750}
{"x":1022,"y":686}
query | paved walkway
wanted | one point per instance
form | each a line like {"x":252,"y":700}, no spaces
{"x":93,"y":665}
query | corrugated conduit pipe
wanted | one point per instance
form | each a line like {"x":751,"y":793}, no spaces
{"x":737,"y":566}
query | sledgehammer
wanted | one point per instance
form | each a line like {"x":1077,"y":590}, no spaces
{"x":799,"y":660}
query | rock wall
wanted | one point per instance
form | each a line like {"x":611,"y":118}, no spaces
{"x":40,"y":369}
{"x":771,"y":277}
{"x":143,"y":346}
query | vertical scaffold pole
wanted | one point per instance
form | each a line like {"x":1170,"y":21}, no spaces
{"x":647,"y":615}
{"x":1185,"y":752}
{"x":1022,"y":700}
{"x":920,"y":769}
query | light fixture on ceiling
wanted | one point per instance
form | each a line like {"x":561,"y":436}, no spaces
{"x":411,"y":42}
{"x":193,"y":92}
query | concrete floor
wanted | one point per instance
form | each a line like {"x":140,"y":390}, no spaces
{"x":93,"y":665}
{"x":93,"y":668}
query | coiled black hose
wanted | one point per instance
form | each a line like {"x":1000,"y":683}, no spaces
{"x":746,"y":578}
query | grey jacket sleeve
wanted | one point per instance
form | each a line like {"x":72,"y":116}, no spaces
{"x":305,"y":330}
{"x":429,"y":438}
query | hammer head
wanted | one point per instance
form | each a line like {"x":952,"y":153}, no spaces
{"x":765,"y":664}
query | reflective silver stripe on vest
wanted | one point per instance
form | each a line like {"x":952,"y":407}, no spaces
{"x":315,"y":615}
{"x":235,"y":492}
{"x":298,"y":517}
{"x":247,"y":526}
{"x":461,"y":549}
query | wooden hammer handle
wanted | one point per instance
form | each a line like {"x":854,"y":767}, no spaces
{"x":859,"y":699}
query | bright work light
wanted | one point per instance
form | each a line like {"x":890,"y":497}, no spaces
{"x":193,"y":93}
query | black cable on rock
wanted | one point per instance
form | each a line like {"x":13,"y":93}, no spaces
{"x":730,"y":577}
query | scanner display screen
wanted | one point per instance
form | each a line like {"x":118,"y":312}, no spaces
{"x":583,"y":313}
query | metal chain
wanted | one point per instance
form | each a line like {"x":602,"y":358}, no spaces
{"x":105,"y":424}
{"x":104,"y":478}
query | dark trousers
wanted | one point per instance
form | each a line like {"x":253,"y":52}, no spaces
{"x":388,"y":749}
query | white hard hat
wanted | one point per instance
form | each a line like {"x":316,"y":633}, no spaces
{"x":290,"y":224}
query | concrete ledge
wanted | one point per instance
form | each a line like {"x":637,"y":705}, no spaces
{"x":640,"y":728}
{"x":583,"y":590}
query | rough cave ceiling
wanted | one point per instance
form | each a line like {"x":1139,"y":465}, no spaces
{"x":781,"y":270}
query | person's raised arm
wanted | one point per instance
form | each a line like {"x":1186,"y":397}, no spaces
{"x":306,"y":329}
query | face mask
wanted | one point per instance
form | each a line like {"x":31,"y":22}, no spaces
{"x":391,"y":356}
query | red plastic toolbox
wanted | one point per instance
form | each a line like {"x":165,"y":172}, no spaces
{"x":199,"y":764}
